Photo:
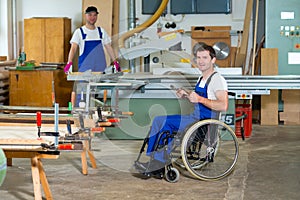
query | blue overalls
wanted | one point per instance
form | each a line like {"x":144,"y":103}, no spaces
{"x":93,"y":56}
{"x":178,"y":123}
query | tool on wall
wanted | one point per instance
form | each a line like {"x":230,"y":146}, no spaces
{"x":222,"y":50}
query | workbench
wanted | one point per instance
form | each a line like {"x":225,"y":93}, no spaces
{"x":155,"y":96}
{"x":10,"y":131}
{"x":31,"y":148}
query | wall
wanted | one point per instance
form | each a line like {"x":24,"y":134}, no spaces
{"x":235,"y":20}
{"x":5,"y":29}
{"x":73,"y":10}
{"x":50,"y":8}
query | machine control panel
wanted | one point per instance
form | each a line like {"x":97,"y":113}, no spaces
{"x":290,"y":31}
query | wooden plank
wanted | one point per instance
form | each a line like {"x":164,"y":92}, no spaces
{"x":21,"y":141}
{"x":92,"y":159}
{"x":254,"y":39}
{"x":269,"y":108}
{"x":269,"y":59}
{"x":242,"y":50}
{"x":11,"y":153}
{"x":44,"y":181}
{"x":291,"y":100}
{"x":232,"y":56}
{"x":269,"y":104}
{"x":12,"y":118}
{"x":290,"y":118}
{"x":36,"y":178}
{"x":34,"y":40}
{"x":115,"y":25}
{"x":22,"y":109}
{"x":291,"y":108}
{"x":84,"y":161}
{"x":57,"y":32}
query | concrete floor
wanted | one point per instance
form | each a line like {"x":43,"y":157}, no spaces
{"x":268,"y":168}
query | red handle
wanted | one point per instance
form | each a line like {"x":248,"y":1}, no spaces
{"x":113,"y":120}
{"x":39,"y":119}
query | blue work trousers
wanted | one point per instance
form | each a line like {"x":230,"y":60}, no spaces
{"x":169,"y":124}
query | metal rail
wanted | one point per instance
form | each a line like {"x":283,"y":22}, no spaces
{"x":245,"y":86}
{"x":263,"y":82}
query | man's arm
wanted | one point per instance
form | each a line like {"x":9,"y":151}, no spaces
{"x":220,"y":104}
{"x":72,"y":52}
{"x":110,"y":52}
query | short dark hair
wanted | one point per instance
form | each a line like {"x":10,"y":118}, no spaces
{"x":204,"y":47}
{"x":91,"y":9}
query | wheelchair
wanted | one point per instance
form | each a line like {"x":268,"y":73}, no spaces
{"x":207,"y":149}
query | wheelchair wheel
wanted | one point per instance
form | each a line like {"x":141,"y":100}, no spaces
{"x":209,"y":150}
{"x":172,"y":175}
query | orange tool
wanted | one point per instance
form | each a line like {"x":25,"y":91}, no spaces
{"x":98,"y":129}
{"x":73,"y":99}
{"x":104,"y":96}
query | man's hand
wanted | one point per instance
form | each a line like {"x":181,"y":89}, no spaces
{"x":194,"y":97}
{"x":117,"y":66}
{"x":67,"y":67}
{"x":182,"y":93}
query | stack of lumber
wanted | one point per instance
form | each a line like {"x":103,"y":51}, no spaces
{"x":27,"y":114}
{"x":291,"y":108}
{"x":4,"y":87}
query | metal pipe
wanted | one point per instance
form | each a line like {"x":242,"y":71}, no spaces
{"x":131,"y":26}
{"x":131,"y":14}
{"x":147,"y":63}
{"x":14,"y":30}
{"x":145,"y":25}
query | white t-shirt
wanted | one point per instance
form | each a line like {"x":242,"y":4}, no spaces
{"x":217,"y":82}
{"x":90,"y":35}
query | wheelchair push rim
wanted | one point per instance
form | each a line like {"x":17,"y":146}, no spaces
{"x":212,"y":156}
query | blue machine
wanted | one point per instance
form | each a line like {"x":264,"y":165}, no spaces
{"x":282,"y":28}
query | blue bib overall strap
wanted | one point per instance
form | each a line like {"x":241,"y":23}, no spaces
{"x":93,"y":56}
{"x":201,"y":110}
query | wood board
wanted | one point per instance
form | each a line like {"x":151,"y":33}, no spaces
{"x":291,"y":108}
{"x":269,"y":103}
{"x":242,"y":50}
{"x":211,"y":35}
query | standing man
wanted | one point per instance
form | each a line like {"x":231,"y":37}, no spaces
{"x":91,"y":40}
{"x":209,"y":98}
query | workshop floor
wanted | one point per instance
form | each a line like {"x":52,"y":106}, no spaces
{"x":268,"y":168}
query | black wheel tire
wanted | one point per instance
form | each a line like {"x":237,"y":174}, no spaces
{"x":172,"y":175}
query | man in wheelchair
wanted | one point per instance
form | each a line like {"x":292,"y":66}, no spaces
{"x":209,"y":98}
